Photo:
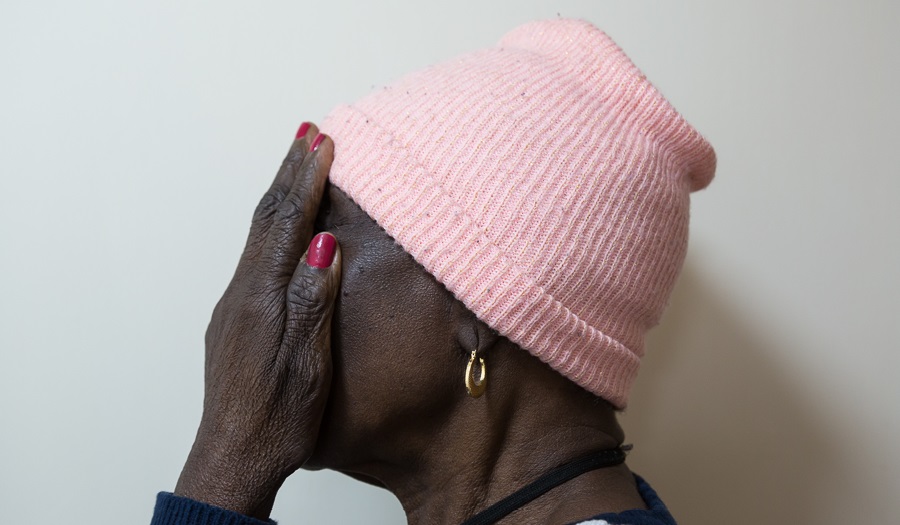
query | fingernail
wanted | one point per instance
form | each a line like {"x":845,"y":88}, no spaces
{"x":321,"y":250}
{"x":315,"y":143}
{"x":302,"y":131}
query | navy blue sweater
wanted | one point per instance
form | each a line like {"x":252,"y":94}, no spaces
{"x":175,"y":510}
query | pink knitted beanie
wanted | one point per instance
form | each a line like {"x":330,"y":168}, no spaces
{"x":545,"y":182}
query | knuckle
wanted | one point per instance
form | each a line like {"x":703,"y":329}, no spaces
{"x":268,"y":204}
{"x":291,"y":208}
{"x":307,"y":295}
{"x":294,"y":158}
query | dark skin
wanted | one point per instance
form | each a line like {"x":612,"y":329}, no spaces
{"x":375,"y":365}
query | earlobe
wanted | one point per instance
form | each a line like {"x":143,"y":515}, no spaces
{"x":472,"y":334}
{"x":476,"y":339}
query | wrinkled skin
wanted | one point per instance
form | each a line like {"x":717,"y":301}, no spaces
{"x":360,"y":368}
{"x":268,"y":350}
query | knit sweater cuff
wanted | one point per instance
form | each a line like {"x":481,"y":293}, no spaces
{"x":176,"y":510}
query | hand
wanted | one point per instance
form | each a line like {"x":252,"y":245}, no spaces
{"x":268,"y":360}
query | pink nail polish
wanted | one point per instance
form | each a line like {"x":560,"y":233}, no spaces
{"x":302,"y":131}
{"x":315,"y":143}
{"x":321,"y":250}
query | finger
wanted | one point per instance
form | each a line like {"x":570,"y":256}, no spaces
{"x":311,"y":295}
{"x":281,"y":186}
{"x":293,"y":222}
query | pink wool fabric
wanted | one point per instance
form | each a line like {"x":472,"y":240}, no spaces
{"x":545,"y":182}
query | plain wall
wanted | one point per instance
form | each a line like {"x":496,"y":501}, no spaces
{"x":137,"y":137}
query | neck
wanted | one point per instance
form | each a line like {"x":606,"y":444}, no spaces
{"x":488,"y":448}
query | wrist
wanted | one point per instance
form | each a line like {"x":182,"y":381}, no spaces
{"x":214,"y":475}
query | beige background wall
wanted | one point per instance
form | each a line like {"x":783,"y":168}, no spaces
{"x":136,"y":138}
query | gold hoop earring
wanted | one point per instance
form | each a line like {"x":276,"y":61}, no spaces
{"x":476,"y":388}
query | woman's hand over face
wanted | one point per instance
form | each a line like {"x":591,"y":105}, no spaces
{"x":268,"y":361}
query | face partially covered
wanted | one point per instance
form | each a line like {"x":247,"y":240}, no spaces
{"x":394,"y":343}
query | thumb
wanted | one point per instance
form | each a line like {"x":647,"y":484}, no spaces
{"x":310,"y":298}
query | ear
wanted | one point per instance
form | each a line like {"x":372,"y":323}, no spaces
{"x":472,"y":334}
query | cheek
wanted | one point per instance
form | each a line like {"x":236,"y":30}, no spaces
{"x":391,"y":342}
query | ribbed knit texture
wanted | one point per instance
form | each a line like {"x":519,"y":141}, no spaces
{"x":545,"y":182}
{"x":175,"y":510}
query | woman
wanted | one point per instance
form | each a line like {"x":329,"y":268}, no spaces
{"x":520,"y":210}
